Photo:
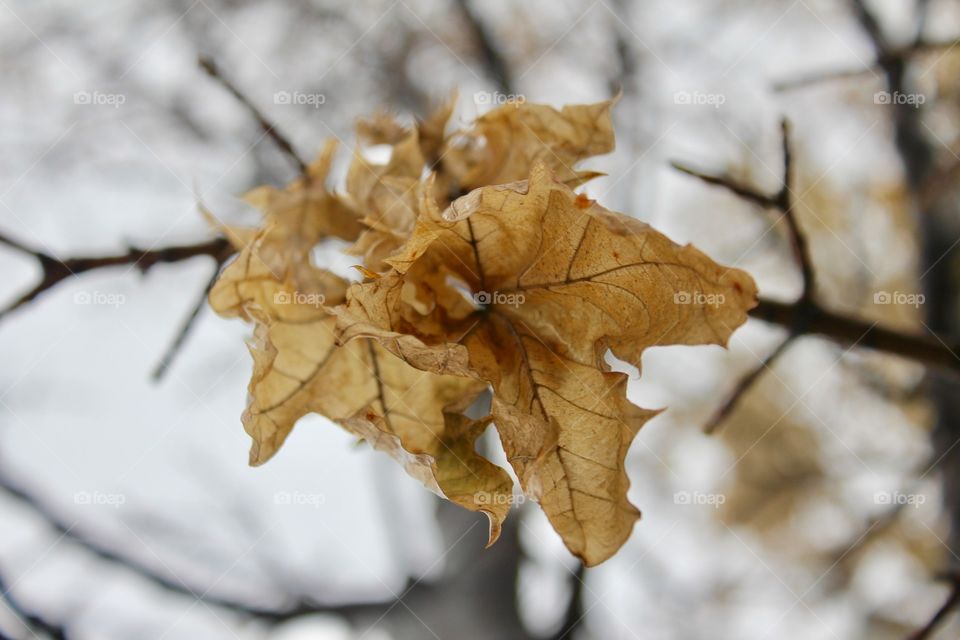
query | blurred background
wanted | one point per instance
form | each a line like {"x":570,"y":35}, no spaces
{"x":824,"y":505}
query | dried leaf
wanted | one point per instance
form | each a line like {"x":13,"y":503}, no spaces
{"x":546,"y":305}
{"x":504,"y":144}
{"x":299,"y":369}
{"x":520,"y":285}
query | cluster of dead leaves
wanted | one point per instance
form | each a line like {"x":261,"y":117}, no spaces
{"x":482,"y":269}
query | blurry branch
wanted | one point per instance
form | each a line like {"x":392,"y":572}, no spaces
{"x":575,"y":613}
{"x":782,"y":201}
{"x":806,"y":316}
{"x":918,"y":155}
{"x":902,"y":53}
{"x":812,"y":319}
{"x":54,"y":270}
{"x":208,"y":65}
{"x":104,"y":551}
{"x":188,"y":322}
{"x":34,"y":622}
{"x":746,"y":383}
{"x":939,"y":183}
{"x":871,"y":26}
{"x":473,"y":591}
{"x":494,"y":63}
{"x":953,"y":600}
{"x":625,"y":77}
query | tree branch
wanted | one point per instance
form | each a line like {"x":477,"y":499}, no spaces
{"x":54,"y":271}
{"x":30,"y":619}
{"x":806,"y":316}
{"x":70,"y":530}
{"x":746,"y":383}
{"x":953,"y":600}
{"x":493,"y":61}
{"x":208,"y":65}
{"x":188,"y":323}
{"x":916,"y":48}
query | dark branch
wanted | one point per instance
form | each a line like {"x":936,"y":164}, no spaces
{"x":54,"y":271}
{"x":493,"y":62}
{"x":33,"y":621}
{"x":812,"y":319}
{"x":871,"y":27}
{"x":785,"y":202}
{"x":953,"y":600}
{"x":268,"y":127}
{"x":904,"y":53}
{"x":746,"y":383}
{"x":104,"y":551}
{"x":747,"y":193}
{"x":188,"y":324}
{"x":806,"y":316}
{"x":575,"y":613}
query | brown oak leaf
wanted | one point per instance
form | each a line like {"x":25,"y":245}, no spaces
{"x":299,"y":368}
{"x":505,"y":143}
{"x":526,"y":286}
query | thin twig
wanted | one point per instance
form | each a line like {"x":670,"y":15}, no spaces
{"x":871,"y":26}
{"x":187,"y":325}
{"x":904,"y":53}
{"x":30,"y":619}
{"x":494,"y":63}
{"x":170,"y":582}
{"x":575,"y":611}
{"x":806,"y":316}
{"x":208,"y":65}
{"x":953,"y":600}
{"x":16,"y":245}
{"x":746,"y":383}
{"x":747,"y":193}
{"x":786,"y":204}
{"x":55,"y":270}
